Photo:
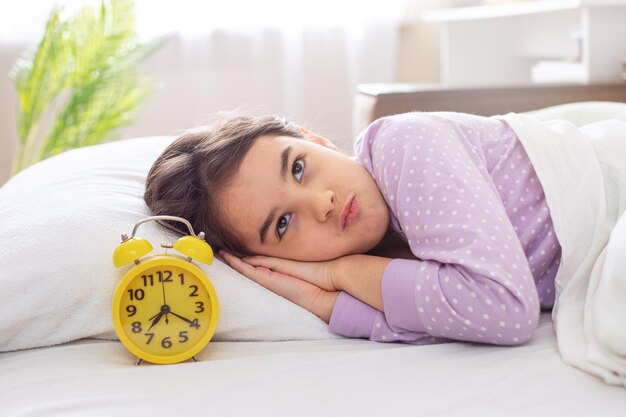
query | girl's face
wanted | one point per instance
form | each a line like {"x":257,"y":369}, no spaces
{"x":303,"y":199}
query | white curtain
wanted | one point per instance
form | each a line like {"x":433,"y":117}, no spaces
{"x":300,"y":59}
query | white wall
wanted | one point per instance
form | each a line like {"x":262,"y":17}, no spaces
{"x":306,"y":72}
{"x":310,"y":78}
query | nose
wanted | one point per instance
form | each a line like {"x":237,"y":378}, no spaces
{"x":324,"y":204}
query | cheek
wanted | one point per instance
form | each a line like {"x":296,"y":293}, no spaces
{"x":322,"y":245}
{"x":312,"y":244}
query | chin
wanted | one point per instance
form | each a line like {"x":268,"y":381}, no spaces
{"x":367,"y":248}
{"x":363,"y":246}
{"x":376,"y":233}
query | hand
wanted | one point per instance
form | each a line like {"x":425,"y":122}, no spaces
{"x":306,"y":284}
{"x":316,"y":273}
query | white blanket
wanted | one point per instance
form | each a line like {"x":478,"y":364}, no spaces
{"x":583,"y":173}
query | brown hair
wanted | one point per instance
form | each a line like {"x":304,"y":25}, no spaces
{"x":187,"y":179}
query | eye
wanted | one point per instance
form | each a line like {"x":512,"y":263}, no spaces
{"x":282,"y":224}
{"x":297,"y":169}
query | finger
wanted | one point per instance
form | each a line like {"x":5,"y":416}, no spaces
{"x":291,"y":288}
{"x":308,"y":271}
{"x":274,"y":281}
{"x":221,"y":253}
{"x":238,"y":264}
{"x":277,"y":264}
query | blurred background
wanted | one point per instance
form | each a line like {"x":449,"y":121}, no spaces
{"x":307,"y":59}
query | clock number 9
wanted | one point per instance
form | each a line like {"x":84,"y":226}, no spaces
{"x":131,"y":310}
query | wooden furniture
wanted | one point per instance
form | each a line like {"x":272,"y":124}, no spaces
{"x":377,"y":100}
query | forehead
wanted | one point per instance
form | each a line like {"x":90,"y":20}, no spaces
{"x":262,"y":161}
{"x":255,"y":186}
{"x":263,"y":149}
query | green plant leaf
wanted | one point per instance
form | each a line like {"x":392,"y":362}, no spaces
{"x":83,"y":80}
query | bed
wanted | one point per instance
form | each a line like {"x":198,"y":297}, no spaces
{"x":306,"y":378}
{"x":268,"y":357}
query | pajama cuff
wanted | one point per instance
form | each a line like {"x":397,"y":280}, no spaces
{"x":398,"y":289}
{"x":352,"y":317}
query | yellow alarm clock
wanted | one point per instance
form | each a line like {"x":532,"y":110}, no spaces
{"x":165,"y":309}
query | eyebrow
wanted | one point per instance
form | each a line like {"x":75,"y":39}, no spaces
{"x":284,"y":163}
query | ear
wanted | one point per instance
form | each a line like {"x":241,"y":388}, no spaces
{"x":312,"y":137}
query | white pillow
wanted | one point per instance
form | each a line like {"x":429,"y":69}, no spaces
{"x":60,"y":221}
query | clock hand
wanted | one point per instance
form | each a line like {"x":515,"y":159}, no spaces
{"x":156,"y":320}
{"x":167,"y":321}
{"x":163,"y":287}
{"x":181,"y":317}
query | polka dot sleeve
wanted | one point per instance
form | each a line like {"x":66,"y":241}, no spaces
{"x":471,"y":280}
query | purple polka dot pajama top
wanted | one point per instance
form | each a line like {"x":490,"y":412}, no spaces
{"x":465,"y":197}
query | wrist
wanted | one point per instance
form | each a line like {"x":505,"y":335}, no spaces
{"x":325,"y":305}
{"x":336,"y":272}
{"x":360,"y":276}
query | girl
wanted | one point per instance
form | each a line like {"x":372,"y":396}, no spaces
{"x":436,"y":230}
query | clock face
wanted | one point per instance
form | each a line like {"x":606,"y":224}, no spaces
{"x":166,"y":311}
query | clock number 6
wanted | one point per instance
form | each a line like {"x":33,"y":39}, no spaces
{"x":166,"y":343}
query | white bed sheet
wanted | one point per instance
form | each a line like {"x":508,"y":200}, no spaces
{"x":345,"y":377}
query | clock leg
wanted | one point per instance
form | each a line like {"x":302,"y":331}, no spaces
{"x":194,"y":359}
{"x":138,"y":361}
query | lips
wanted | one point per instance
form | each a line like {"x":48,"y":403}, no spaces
{"x":350,"y":212}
